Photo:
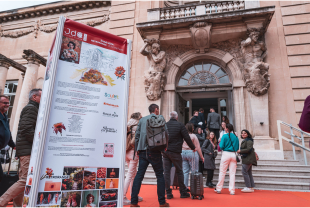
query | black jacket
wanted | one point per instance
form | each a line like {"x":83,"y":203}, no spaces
{"x":177,"y":132}
{"x":195,"y":121}
{"x":26,"y":129}
{"x":209,"y":155}
{"x":5,"y":133}
{"x":247,"y":151}
{"x":201,"y":118}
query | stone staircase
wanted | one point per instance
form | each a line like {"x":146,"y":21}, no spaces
{"x":284,"y":175}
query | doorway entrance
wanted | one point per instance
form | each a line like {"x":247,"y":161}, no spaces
{"x":220,"y":101}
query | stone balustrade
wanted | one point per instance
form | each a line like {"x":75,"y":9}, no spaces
{"x":195,"y":10}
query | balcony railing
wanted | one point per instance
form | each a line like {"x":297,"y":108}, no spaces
{"x":194,"y":10}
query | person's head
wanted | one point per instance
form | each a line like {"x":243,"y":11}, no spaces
{"x":136,"y":116}
{"x":71,"y":45}
{"x":212,"y":110}
{"x":195,"y":113}
{"x":225,"y":119}
{"x":153,"y":108}
{"x":201,"y":110}
{"x":223,"y":125}
{"x":246,"y":134}
{"x":198,"y":130}
{"x":35,"y":95}
{"x":173,"y":115}
{"x":229,"y":128}
{"x":4,"y":103}
{"x":189,"y":127}
{"x":254,"y":35}
{"x":212,"y":137}
{"x":90,"y":198}
{"x":155,"y":48}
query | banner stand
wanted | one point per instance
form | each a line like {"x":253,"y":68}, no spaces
{"x":79,"y":147}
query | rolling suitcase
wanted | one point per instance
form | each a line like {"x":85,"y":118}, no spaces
{"x":173,"y":178}
{"x":196,"y":182}
{"x":8,"y":178}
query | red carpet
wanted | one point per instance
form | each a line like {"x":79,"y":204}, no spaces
{"x":259,"y":198}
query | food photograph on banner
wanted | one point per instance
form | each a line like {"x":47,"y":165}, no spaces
{"x":83,"y":150}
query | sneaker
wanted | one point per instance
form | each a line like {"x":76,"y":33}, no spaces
{"x":247,"y":190}
{"x":140,"y":198}
{"x":164,"y":205}
{"x":169,"y":196}
{"x":252,"y":189}
{"x":216,"y":191}
{"x":126,"y":201}
{"x":232,"y":193}
{"x":185,"y":195}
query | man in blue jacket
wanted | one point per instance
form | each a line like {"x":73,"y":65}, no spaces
{"x":5,"y":133}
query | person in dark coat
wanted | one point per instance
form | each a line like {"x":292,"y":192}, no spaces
{"x":201,"y":118}
{"x":194,"y":120}
{"x":25,"y":134}
{"x":304,"y":122}
{"x":214,"y":122}
{"x":5,"y":133}
{"x":208,"y":148}
{"x":248,"y":160}
{"x":201,"y":137}
{"x":177,"y":134}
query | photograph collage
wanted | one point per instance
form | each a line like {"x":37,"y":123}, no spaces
{"x":83,"y":187}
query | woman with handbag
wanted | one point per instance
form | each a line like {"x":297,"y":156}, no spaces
{"x":229,"y":145}
{"x":208,"y":148}
{"x":202,"y":138}
{"x":248,"y":160}
{"x":130,"y":146}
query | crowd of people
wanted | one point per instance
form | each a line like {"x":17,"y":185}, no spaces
{"x":191,"y":147}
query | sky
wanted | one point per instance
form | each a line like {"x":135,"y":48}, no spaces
{"x":12,"y":4}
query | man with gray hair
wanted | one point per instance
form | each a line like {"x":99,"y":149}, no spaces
{"x":172,"y":155}
{"x":24,"y":139}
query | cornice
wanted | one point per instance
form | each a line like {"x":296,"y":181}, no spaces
{"x":6,"y":62}
{"x":48,"y":9}
{"x":34,"y":58}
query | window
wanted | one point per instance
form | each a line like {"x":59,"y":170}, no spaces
{"x":202,"y":73}
{"x":10,"y":91}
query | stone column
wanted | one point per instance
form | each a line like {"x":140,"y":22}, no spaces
{"x":34,"y":60}
{"x":4,"y":67}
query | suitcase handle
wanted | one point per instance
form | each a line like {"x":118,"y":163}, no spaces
{"x":193,"y":163}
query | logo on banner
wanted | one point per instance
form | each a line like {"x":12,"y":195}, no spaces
{"x":108,"y":150}
{"x":115,"y":106}
{"x":110,"y":96}
{"x":108,"y":130}
{"x":49,"y":174}
{"x":110,"y":115}
{"x":74,"y":33}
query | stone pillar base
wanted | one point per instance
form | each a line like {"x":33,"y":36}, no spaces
{"x":265,"y":148}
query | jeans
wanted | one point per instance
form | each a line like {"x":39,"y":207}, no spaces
{"x":176,"y":159}
{"x":187,"y":157}
{"x":132,"y":169}
{"x":17,"y":189}
{"x":228,"y":159}
{"x":157,"y":163}
{"x":247,"y":175}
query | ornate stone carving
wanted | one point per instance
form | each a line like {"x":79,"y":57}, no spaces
{"x":155,"y":77}
{"x":173,"y":51}
{"x":16,"y":33}
{"x":255,"y":70}
{"x":203,"y":78}
{"x":6,"y":62}
{"x":48,"y":28}
{"x":97,"y":21}
{"x":201,"y":36}
{"x":34,"y":58}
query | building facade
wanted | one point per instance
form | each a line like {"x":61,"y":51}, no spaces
{"x":249,"y":60}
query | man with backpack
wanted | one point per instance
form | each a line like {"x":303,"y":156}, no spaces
{"x":150,"y":139}
{"x":177,"y":132}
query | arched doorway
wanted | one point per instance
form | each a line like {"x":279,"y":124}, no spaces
{"x":214,"y":76}
{"x":204,"y":85}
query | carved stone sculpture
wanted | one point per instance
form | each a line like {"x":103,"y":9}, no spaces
{"x":154,"y":78}
{"x":255,"y":70}
{"x":201,"y":36}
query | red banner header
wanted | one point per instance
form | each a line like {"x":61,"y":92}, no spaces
{"x":81,"y":32}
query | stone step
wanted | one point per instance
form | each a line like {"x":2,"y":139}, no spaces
{"x":241,"y":186}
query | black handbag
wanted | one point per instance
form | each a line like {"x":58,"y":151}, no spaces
{"x":237,"y":158}
{"x":4,"y":157}
{"x":8,"y":179}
